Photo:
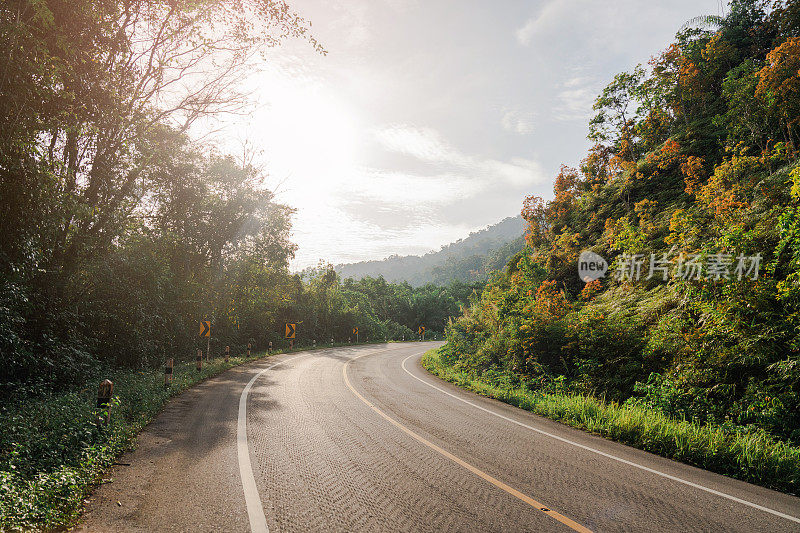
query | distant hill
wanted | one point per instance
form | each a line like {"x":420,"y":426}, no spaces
{"x":468,"y":259}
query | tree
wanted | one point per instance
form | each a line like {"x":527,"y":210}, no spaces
{"x":779,"y":86}
{"x":102,"y":188}
{"x":617,"y":107}
{"x":747,"y":116}
{"x":111,"y":77}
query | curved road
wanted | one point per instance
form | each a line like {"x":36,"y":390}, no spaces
{"x":363,"y":439}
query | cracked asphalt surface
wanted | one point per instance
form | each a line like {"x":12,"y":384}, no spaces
{"x":324,"y":460}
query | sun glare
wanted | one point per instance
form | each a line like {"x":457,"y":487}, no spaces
{"x":310,"y":136}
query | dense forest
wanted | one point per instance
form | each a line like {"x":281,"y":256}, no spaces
{"x":467,"y":260}
{"x":691,"y":194}
{"x":120,"y":229}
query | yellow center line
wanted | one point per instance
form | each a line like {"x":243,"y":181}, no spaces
{"x":478,"y":472}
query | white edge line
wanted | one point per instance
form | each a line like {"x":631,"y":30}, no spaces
{"x":604,"y":454}
{"x":255,"y":509}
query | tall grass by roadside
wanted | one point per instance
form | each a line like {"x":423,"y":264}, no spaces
{"x":53,"y":451}
{"x":751,"y":456}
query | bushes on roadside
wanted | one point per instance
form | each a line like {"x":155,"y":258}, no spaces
{"x":744,"y":453}
{"x":53,"y":450}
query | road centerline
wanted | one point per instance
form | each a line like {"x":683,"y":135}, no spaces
{"x":473,"y":469}
{"x":604,"y":454}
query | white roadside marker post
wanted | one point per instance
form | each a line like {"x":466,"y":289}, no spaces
{"x":104,"y":393}
{"x":168,"y":372}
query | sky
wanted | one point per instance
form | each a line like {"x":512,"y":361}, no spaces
{"x":426,"y":121}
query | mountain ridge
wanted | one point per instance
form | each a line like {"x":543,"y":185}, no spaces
{"x":469,"y":259}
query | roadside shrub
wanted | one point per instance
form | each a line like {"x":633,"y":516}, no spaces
{"x":665,"y":395}
{"x":749,"y":454}
{"x":52,"y":449}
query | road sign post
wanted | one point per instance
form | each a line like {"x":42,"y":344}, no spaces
{"x":205,"y":331}
{"x":290,"y":332}
{"x":227,"y":353}
{"x":355,"y":332}
{"x":199,"y":360}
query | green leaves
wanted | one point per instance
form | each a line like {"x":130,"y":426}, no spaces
{"x":744,"y":453}
{"x":52,"y":450}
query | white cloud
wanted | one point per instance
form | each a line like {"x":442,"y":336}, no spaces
{"x":517,"y":122}
{"x":551,"y":13}
{"x":525,"y":33}
{"x":427,"y":145}
{"x":577,"y":81}
{"x":398,"y":187}
{"x":351,"y":19}
{"x":602,"y":29}
{"x":575,"y":104}
{"x":518,"y":171}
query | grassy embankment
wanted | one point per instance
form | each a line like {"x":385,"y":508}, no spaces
{"x":751,"y":456}
{"x":53,"y":451}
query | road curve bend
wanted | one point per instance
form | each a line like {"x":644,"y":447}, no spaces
{"x":363,"y":439}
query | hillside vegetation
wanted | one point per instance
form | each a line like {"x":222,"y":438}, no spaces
{"x":467,"y":260}
{"x":695,"y":163}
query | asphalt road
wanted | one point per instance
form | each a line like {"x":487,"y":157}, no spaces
{"x":363,"y":439}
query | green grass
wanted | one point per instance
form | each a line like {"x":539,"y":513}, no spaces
{"x":750,"y":456}
{"x":53,"y":452}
